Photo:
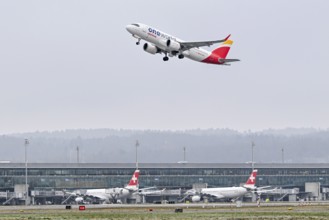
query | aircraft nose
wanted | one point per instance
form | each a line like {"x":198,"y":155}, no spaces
{"x":129,"y":28}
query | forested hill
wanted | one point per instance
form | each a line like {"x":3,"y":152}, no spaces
{"x":202,"y":146}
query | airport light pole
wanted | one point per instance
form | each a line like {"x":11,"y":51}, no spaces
{"x":137,"y":144}
{"x":26,"y":143}
{"x":252,"y":155}
{"x":184,"y":153}
{"x":78,"y":159}
{"x":282,"y":151}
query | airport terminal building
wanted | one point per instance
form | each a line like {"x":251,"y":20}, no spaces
{"x":67,"y":176}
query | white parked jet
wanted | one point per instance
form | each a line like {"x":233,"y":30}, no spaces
{"x":110,"y":195}
{"x":229,"y":192}
{"x":160,"y":42}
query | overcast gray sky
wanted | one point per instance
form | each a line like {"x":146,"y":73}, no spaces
{"x":72,"y":64}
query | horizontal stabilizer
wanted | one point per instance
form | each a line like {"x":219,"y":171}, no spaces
{"x":228,"y":60}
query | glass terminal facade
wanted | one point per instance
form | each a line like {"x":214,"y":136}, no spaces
{"x":169,"y":175}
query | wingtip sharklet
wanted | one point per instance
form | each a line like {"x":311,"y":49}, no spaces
{"x":227,"y":37}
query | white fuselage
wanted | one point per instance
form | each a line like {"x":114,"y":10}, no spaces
{"x":158,"y":38}
{"x":109,"y":194}
{"x":225,"y":192}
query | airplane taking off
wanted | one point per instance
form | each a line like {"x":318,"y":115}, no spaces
{"x":111,"y":195}
{"x":160,"y":42}
{"x":229,"y":192}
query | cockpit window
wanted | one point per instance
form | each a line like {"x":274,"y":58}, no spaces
{"x":137,"y":25}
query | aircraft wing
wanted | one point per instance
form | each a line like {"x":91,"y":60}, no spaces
{"x":214,"y":194}
{"x":148,"y":188}
{"x":130,"y":190}
{"x":264,"y":190}
{"x":152,"y":192}
{"x":265,"y":187}
{"x":189,"y":45}
{"x":99,"y":196}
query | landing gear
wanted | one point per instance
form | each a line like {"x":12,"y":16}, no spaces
{"x":166,"y":58}
{"x":180,"y":56}
{"x":138,"y":41}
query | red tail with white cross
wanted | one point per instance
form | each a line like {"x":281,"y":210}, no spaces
{"x":252,"y":179}
{"x":133,"y":183}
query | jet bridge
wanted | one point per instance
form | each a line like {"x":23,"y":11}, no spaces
{"x":14,"y":198}
{"x":280,"y":194}
{"x":161,"y":196}
{"x":47,"y":197}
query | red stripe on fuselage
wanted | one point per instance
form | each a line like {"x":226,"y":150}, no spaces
{"x":152,"y":35}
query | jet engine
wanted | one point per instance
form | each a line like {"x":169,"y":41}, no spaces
{"x":150,"y":48}
{"x":173,"y":45}
{"x":196,"y":198}
{"x":79,"y":200}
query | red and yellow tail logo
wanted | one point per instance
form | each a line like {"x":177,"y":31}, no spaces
{"x":223,"y":50}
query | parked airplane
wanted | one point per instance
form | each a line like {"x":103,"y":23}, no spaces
{"x":229,"y":192}
{"x":111,"y":195}
{"x":160,"y":42}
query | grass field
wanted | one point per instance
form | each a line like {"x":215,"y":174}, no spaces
{"x":244,"y":213}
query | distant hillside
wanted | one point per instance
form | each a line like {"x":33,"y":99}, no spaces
{"x":210,"y":145}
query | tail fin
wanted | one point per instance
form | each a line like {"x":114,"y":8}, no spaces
{"x":133,"y":183}
{"x":223,"y":50}
{"x":251,"y":180}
